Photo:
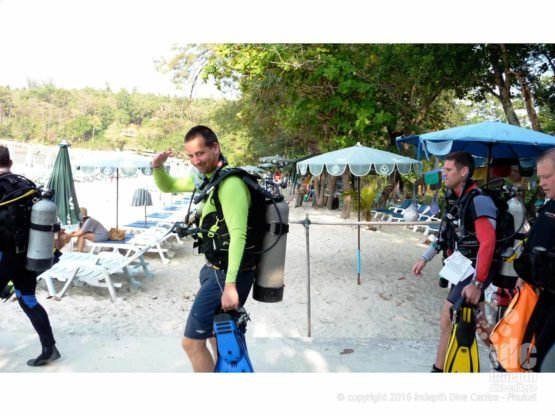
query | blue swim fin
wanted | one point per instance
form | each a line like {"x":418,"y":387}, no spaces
{"x":230,"y":329}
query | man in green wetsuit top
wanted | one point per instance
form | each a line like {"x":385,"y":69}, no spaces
{"x":226,"y":288}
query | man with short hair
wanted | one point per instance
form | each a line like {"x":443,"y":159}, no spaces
{"x":89,"y":229}
{"x":12,"y":262}
{"x":477,"y":225}
{"x":541,"y":273}
{"x":226,"y":279}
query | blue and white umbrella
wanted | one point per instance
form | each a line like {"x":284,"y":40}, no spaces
{"x":490,"y":139}
{"x":112,"y":162}
{"x":361,"y":161}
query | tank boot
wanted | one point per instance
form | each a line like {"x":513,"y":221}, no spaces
{"x":47,"y":355}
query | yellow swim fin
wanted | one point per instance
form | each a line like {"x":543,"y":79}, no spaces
{"x":462,"y":352}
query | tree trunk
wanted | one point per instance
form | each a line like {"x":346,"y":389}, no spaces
{"x":503,"y":82}
{"x":505,"y":99}
{"x":549,"y":61}
{"x":527,"y":95}
{"x":299,"y":198}
{"x":507,"y":104}
{"x":347,"y":198}
{"x":332,"y":182}
{"x":322,"y":189}
{"x":316,"y":187}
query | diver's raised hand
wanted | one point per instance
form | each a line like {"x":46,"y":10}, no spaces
{"x":160,"y":158}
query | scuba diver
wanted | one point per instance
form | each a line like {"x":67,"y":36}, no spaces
{"x":15,"y":222}
{"x":468,"y":227}
{"x":228,"y":275}
{"x":536,"y":265}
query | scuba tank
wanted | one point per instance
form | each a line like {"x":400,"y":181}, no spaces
{"x":40,"y":249}
{"x":507,"y":275}
{"x":269,"y":273}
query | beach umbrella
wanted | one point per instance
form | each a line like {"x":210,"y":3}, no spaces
{"x":61,"y":182}
{"x":48,"y":160}
{"x":361,"y":161}
{"x":276,"y":160}
{"x":29,"y":158}
{"x":111,"y":162}
{"x":490,"y":139}
{"x":253,"y":169}
{"x":142,"y":198}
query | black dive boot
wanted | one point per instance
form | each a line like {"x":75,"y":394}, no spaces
{"x":436,"y":369}
{"x":48,"y":354}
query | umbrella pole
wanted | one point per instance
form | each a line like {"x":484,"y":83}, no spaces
{"x":358,"y":231}
{"x":306,"y":224}
{"x":488,"y":162}
{"x":145,"y":215}
{"x":117,"y":196}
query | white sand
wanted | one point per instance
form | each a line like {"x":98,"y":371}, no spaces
{"x":392,"y":313}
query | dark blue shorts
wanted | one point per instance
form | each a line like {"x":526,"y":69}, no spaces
{"x":208,"y":299}
{"x":455,"y":292}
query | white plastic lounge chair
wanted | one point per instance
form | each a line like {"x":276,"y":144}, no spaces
{"x":153,"y":237}
{"x":95,"y":270}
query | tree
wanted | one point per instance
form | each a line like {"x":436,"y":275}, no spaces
{"x":512,"y":71}
{"x":319,"y":97}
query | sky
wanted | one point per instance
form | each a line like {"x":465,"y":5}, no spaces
{"x":94,"y":43}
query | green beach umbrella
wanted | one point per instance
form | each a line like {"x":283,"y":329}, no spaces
{"x":61,"y":182}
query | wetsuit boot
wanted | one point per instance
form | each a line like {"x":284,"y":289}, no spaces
{"x":39,"y":319}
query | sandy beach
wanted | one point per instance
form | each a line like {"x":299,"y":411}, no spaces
{"x":391,"y":310}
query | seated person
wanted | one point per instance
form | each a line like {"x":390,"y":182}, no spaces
{"x":89,"y":229}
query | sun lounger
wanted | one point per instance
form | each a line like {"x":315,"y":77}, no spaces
{"x":394,"y":209}
{"x":95,"y":270}
{"x":399,"y":216}
{"x":154,"y":230}
{"x":131,"y":246}
{"x":160,"y":215}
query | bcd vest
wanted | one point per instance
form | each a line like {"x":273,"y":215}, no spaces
{"x":17,"y":195}
{"x":535,"y":266}
{"x":459,"y":232}
{"x":215,"y":239}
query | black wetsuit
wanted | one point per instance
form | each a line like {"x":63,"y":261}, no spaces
{"x":541,"y":272}
{"x":12,"y":267}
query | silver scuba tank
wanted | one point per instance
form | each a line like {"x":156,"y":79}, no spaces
{"x":521,"y":227}
{"x":269,"y":274}
{"x":44,"y":223}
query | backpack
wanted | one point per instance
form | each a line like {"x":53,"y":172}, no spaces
{"x":214,"y":241}
{"x":17,"y":196}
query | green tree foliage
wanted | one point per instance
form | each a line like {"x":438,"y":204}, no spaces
{"x":517,"y":71}
{"x":320,"y":97}
{"x":102,"y":119}
{"x":298,"y":99}
{"x":311,"y":98}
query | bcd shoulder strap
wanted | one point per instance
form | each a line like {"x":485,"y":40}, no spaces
{"x":214,"y":182}
{"x":14,"y":187}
